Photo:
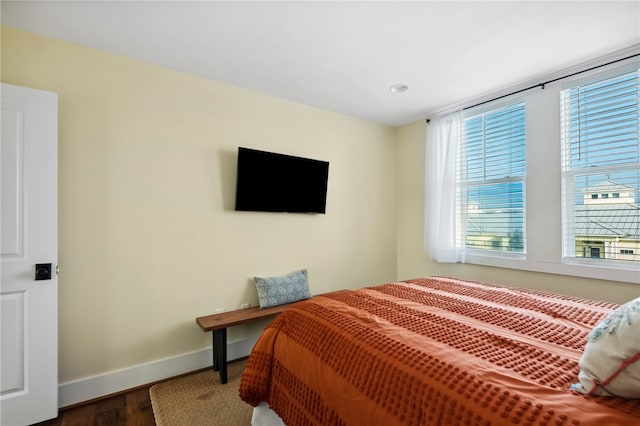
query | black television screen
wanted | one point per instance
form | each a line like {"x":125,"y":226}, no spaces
{"x":272,"y":182}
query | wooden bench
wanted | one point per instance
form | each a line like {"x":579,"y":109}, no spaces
{"x":218,"y":323}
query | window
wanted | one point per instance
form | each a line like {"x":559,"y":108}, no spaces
{"x":601,"y":153}
{"x":491,"y":182}
{"x":492,"y":196}
{"x":547,"y":180}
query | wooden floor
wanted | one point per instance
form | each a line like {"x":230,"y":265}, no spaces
{"x":132,"y":408}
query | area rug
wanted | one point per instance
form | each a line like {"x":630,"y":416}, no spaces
{"x":200,"y":399}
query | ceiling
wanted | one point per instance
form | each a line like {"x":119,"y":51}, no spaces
{"x":344,"y":56}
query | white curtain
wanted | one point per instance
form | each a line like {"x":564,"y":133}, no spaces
{"x":444,"y":227}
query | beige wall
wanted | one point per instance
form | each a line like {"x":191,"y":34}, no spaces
{"x":414,"y":262}
{"x":148,"y":239}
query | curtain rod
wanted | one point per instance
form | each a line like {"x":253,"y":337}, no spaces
{"x":548,"y":81}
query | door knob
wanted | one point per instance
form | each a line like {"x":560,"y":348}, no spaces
{"x":43,"y":271}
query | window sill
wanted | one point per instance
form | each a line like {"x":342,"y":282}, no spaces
{"x":576,"y":269}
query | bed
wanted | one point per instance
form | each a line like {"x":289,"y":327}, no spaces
{"x":445,"y":351}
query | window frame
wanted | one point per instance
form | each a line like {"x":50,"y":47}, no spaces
{"x":543,"y":186}
{"x":464,"y":186}
{"x":569,"y":174}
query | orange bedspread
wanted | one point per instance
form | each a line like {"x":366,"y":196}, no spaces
{"x":432,"y":351}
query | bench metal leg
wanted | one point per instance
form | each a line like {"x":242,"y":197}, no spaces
{"x":220,"y":353}
{"x":213,"y":347}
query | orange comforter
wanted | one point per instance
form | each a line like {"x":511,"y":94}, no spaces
{"x":432,"y":351}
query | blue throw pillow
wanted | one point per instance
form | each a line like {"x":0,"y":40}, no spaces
{"x":273,"y":291}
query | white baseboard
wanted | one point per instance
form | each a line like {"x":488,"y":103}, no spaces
{"x":81,"y":390}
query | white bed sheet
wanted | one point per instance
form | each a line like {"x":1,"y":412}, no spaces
{"x":265,"y":416}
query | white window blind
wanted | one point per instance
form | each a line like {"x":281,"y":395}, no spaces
{"x":601,"y":171}
{"x":491,"y":199}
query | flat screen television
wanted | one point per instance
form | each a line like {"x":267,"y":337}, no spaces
{"x":273,"y":182}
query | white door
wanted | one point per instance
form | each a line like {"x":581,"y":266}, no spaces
{"x":29,"y":236}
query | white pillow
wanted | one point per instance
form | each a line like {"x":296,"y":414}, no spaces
{"x":610,"y":363}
